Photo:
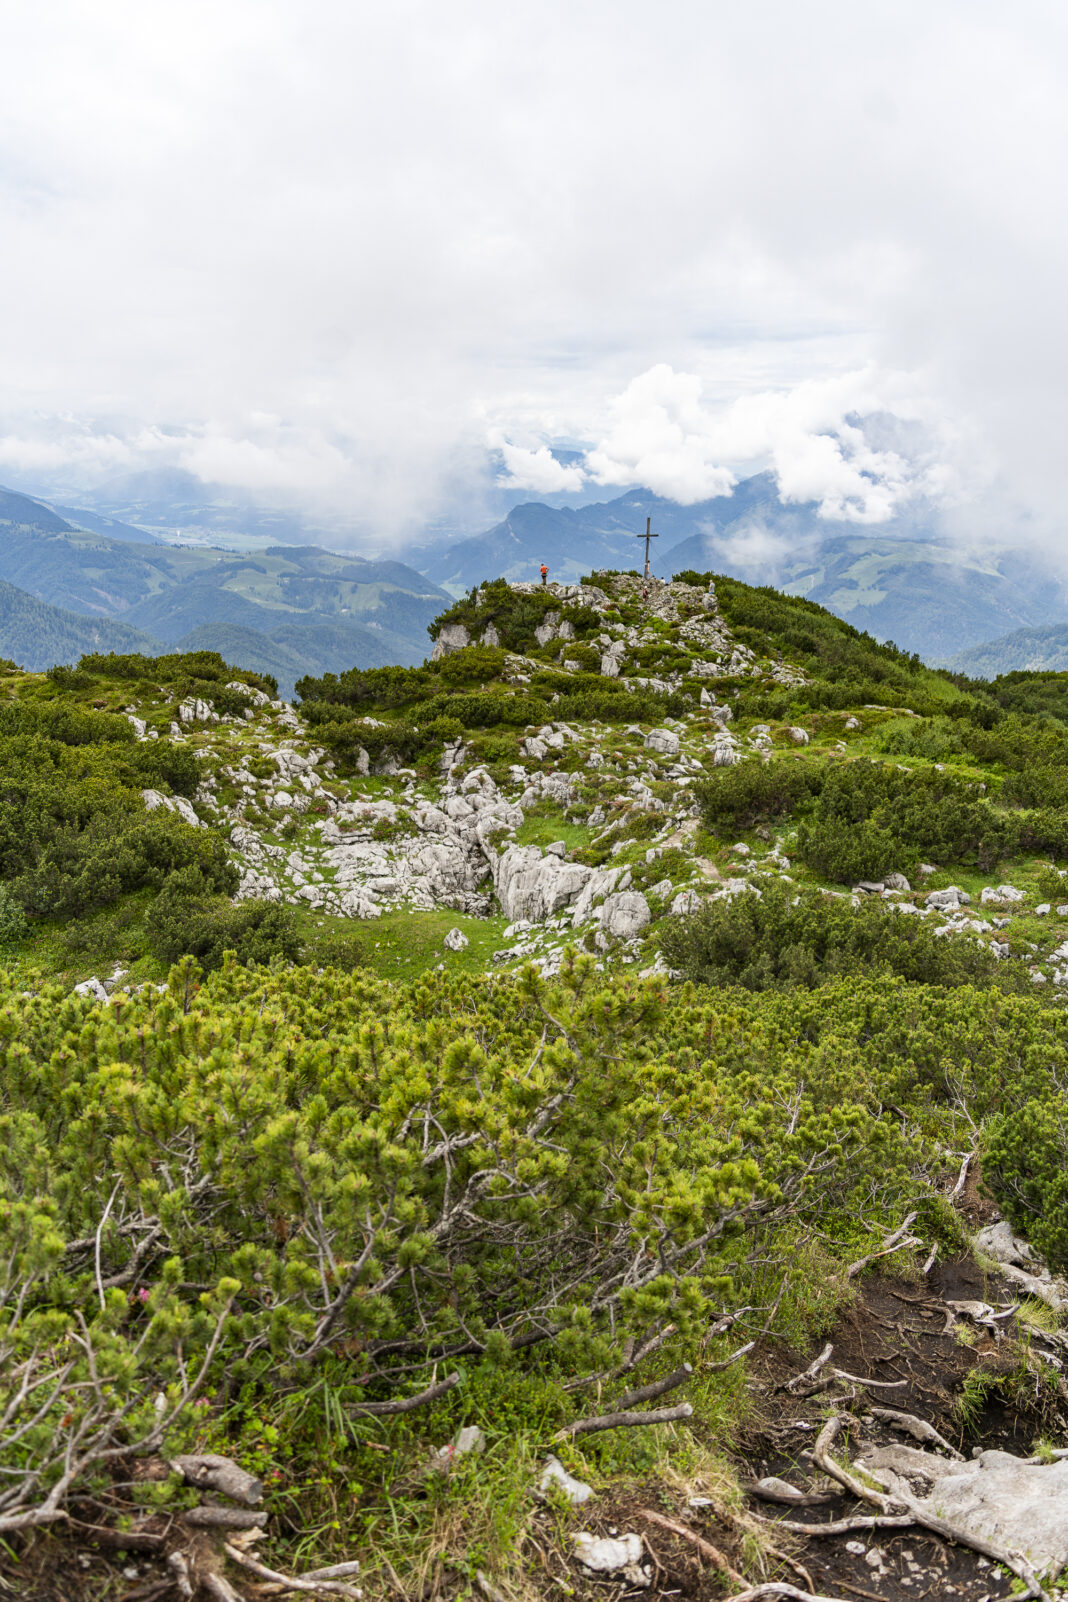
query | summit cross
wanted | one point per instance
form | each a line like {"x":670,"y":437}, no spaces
{"x":647,"y":536}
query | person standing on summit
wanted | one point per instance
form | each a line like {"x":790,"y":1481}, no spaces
{"x":544,"y":573}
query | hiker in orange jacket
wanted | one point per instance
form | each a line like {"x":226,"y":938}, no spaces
{"x":544,"y":573}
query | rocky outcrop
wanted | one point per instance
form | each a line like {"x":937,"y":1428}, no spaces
{"x":534,"y":885}
{"x":453,"y":637}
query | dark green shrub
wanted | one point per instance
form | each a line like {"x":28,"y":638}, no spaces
{"x":768,"y":942}
{"x":188,"y":921}
{"x":870,"y":819}
{"x":757,"y":792}
{"x":1024,"y":1170}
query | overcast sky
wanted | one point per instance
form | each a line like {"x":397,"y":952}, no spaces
{"x":337,"y":252}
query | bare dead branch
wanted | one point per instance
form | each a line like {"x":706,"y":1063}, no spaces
{"x":224,"y":1518}
{"x":210,"y":1472}
{"x":728,"y":1362}
{"x":649,"y":1393}
{"x":406,"y":1404}
{"x":617,"y":1421}
{"x":894,"y":1242}
{"x":289,"y":1581}
{"x":812,"y":1371}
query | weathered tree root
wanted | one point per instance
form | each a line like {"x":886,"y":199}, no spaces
{"x":891,"y":1504}
{"x":649,"y":1393}
{"x":918,"y":1428}
{"x":706,"y":1549}
{"x":860,"y":1521}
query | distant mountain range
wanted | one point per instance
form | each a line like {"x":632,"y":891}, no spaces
{"x":292,"y":608}
{"x":900,"y":581}
{"x":1043,"y":650}
{"x":297,"y":609}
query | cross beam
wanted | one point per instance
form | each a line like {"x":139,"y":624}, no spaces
{"x":647,"y":536}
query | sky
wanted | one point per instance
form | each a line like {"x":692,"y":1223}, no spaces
{"x":370,"y":260}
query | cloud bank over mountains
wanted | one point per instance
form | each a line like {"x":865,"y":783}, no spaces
{"x":827,"y":441}
{"x":322,"y":253}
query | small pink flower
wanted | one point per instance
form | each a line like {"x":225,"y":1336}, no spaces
{"x":143,"y":1294}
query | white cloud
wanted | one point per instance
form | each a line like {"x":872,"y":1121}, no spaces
{"x":328,"y":245}
{"x":664,"y":436}
{"x":660,"y":438}
{"x":536,"y":470}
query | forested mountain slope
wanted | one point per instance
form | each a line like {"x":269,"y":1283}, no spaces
{"x":35,"y":635}
{"x":308,"y":609}
{"x":590,"y":1021}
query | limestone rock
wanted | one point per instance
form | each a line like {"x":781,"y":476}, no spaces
{"x":1005,"y":895}
{"x":625,"y":914}
{"x":664,"y":741}
{"x":535,"y":886}
{"x":949,"y":898}
{"x":453,"y":637}
{"x":456,"y":940}
{"x":93,"y":988}
{"x":197,"y":711}
{"x":555,"y":1476}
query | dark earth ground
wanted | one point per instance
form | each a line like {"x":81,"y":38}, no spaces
{"x":898,"y":1330}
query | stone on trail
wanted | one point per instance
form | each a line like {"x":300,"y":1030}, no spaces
{"x":555,"y":1474}
{"x":607,"y":1554}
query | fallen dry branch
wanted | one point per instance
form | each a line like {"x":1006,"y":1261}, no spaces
{"x":221,"y":1589}
{"x":407,"y":1404}
{"x":210,"y":1472}
{"x":619,"y":1421}
{"x":726,"y":1362}
{"x":224,"y":1518}
{"x":859,"y":1521}
{"x":962,"y":1177}
{"x":918,"y":1428}
{"x":778,"y":1588}
{"x":649,"y":1393}
{"x":896,"y":1241}
{"x":316,"y":1581}
{"x":179,"y":1567}
{"x":487,"y":1587}
{"x":706,"y":1549}
{"x":899,"y":1501}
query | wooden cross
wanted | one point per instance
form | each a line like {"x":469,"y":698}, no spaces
{"x":647,"y":536}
